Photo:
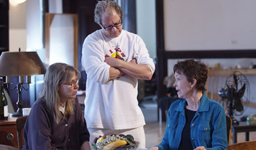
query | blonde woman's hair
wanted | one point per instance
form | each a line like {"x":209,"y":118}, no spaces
{"x":57,"y":74}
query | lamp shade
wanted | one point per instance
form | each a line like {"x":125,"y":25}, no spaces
{"x":20,"y":64}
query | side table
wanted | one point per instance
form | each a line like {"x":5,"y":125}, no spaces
{"x":8,"y":133}
{"x":242,"y":127}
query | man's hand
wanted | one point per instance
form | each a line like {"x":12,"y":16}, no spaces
{"x":113,"y":62}
{"x":133,"y":61}
{"x":114,"y":73}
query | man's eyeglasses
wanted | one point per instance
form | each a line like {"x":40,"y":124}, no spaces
{"x":72,"y":84}
{"x":109,"y":28}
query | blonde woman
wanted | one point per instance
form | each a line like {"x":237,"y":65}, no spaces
{"x":56,"y":120}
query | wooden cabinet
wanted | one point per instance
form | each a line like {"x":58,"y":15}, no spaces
{"x":4,"y":25}
{"x":8,"y":133}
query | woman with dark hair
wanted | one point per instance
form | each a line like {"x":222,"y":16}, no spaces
{"x":56,"y":120}
{"x":194,"y":121}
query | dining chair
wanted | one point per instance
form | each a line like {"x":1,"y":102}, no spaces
{"x":249,"y":145}
{"x":229,"y":128}
{"x":7,"y":147}
{"x":20,"y":122}
{"x":215,"y":82}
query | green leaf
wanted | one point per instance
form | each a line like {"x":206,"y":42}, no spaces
{"x":129,"y":140}
{"x":94,"y":146}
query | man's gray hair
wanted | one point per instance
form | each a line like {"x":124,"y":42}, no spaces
{"x":104,"y":6}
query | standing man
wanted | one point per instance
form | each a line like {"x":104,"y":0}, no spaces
{"x":114,"y":59}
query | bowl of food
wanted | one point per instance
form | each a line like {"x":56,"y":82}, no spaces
{"x":115,"y":142}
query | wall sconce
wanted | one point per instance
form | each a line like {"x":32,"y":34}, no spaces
{"x":16,"y":2}
{"x":22,"y":64}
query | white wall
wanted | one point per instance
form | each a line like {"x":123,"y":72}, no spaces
{"x":55,"y":6}
{"x":146,"y":26}
{"x":61,"y":40}
{"x":17,"y":27}
{"x":34,"y":25}
{"x":26,"y":25}
{"x":211,"y":24}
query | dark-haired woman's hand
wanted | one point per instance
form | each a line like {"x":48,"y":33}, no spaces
{"x":200,"y":148}
{"x":154,"y":148}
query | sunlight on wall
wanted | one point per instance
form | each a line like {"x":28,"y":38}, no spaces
{"x":17,"y":27}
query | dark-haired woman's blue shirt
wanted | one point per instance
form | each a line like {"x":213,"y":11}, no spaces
{"x":208,"y":127}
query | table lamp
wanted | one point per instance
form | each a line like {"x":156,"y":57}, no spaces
{"x":22,"y":64}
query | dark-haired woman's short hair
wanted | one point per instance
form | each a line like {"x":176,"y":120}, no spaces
{"x":193,"y":70}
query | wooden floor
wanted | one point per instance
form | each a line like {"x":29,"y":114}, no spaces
{"x":154,"y":132}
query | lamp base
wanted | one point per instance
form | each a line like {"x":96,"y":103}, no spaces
{"x":17,"y":114}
